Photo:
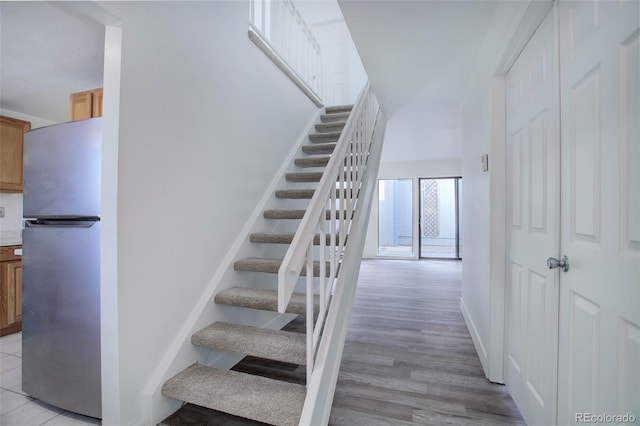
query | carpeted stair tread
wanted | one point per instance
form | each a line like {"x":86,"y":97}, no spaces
{"x":264,"y":300}
{"x":312,"y":161}
{"x":324,"y":137}
{"x":295,"y":193}
{"x":299,"y":194}
{"x":272,"y":237}
{"x":319,"y":148}
{"x":253,"y":396}
{"x":289,"y":214}
{"x":272,"y":266}
{"x":277,"y":345}
{"x":334,"y":117}
{"x":338,"y":108}
{"x":304,"y":177}
{"x":240,"y":394}
{"x":283,"y":214}
{"x":335,"y":126}
{"x":282,"y":238}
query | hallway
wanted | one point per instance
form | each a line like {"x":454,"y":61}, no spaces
{"x":409,"y":358}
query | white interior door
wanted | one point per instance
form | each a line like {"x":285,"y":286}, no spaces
{"x":533,"y":174}
{"x":599,"y":350}
{"x":335,"y":62}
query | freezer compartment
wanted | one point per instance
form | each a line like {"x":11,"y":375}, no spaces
{"x":62,"y":165}
{"x":61,"y":314}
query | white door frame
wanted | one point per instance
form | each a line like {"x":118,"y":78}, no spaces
{"x":527,"y":26}
{"x":109,"y":237}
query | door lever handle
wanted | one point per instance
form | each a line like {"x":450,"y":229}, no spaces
{"x":554,"y":263}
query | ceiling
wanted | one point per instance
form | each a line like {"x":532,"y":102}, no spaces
{"x":419,"y":56}
{"x":48,"y":50}
{"x":416,"y":50}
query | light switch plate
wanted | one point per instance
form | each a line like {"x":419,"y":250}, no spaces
{"x":485,"y":162}
{"x":1,"y":212}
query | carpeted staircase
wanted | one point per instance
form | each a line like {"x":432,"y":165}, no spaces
{"x":246,"y":395}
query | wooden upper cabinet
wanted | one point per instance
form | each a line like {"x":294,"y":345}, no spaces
{"x":97,"y":102}
{"x":80,"y":105}
{"x":11,"y":148}
{"x":83,"y":105}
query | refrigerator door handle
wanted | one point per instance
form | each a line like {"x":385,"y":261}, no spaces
{"x":59,"y":223}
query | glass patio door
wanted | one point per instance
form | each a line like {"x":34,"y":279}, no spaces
{"x":439,"y":218}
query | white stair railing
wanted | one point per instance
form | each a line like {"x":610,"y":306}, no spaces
{"x":277,"y":28}
{"x":321,"y":387}
{"x":330,"y":214}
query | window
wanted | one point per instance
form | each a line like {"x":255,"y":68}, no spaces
{"x":395,"y":217}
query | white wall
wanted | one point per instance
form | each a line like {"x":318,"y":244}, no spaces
{"x":110,"y":349}
{"x":205,"y":121}
{"x":11,"y":223}
{"x":423,"y":131}
{"x":475,"y":215}
{"x":36,"y":122}
{"x":482,"y":212}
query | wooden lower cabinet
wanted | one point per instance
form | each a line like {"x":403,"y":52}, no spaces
{"x":10,"y":291}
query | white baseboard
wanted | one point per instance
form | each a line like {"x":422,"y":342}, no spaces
{"x":475,"y":336}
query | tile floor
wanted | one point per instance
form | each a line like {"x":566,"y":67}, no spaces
{"x":18,"y":409}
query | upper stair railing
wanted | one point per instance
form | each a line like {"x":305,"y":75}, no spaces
{"x":324,"y":233}
{"x":278,"y":29}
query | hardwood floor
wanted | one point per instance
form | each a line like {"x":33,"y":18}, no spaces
{"x":408,"y":359}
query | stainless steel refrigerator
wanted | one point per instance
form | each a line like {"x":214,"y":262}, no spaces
{"x":61,"y":266}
